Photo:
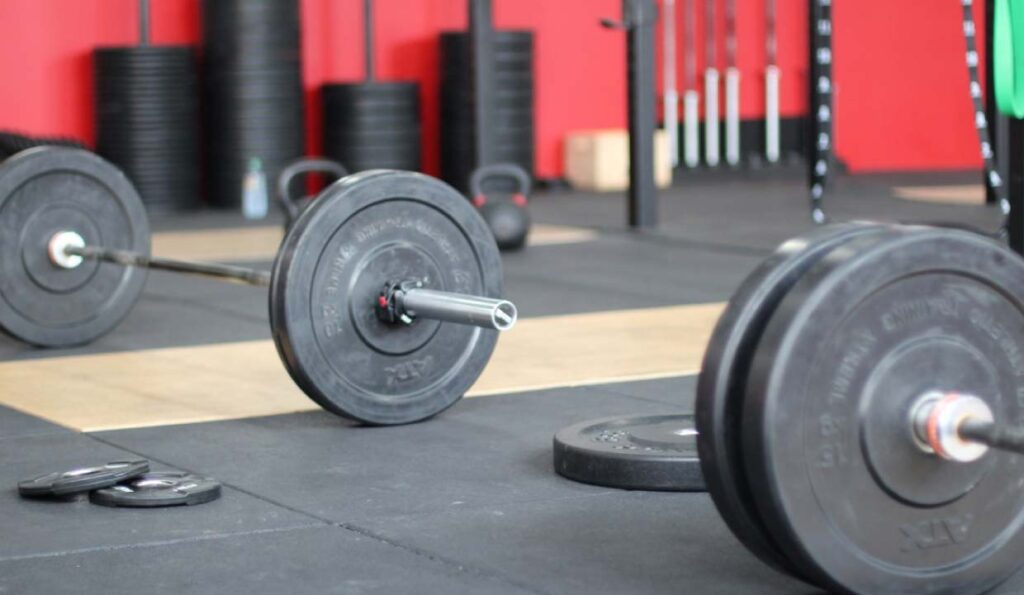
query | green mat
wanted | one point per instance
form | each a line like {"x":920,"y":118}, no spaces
{"x":1008,"y":45}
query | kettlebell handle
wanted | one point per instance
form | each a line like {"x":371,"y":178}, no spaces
{"x":509,"y":171}
{"x":294,"y":206}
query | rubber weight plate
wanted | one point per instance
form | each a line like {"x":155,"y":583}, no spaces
{"x":83,"y":479}
{"x":360,"y":233}
{"x":47,"y":190}
{"x":650,"y":452}
{"x":880,"y":321}
{"x":721,"y":386}
{"x":158,"y":489}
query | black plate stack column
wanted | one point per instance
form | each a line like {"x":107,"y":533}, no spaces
{"x":147,"y":117}
{"x":372,"y":124}
{"x":253,"y":91}
{"x":512,"y":124}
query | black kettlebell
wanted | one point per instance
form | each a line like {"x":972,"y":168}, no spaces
{"x":293,"y":207}
{"x":506,"y":214}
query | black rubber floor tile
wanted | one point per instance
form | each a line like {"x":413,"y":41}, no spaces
{"x":759,"y":209}
{"x":1013,"y":586}
{"x":32,"y":527}
{"x":177,"y":312}
{"x":214,"y":219}
{"x":15,"y":424}
{"x":677,"y":392}
{"x":483,"y":451}
{"x":617,"y":542}
{"x":12,"y":349}
{"x":312,"y":560}
{"x":174,"y":311}
{"x":582,"y":277}
{"x":540,"y":295}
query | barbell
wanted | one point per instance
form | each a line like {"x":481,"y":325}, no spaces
{"x":859,"y":414}
{"x":385,"y":295}
{"x":859,"y":410}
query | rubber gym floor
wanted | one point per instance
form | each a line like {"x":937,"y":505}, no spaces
{"x":613,"y":322}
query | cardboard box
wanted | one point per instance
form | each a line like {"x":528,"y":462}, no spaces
{"x":598,"y":160}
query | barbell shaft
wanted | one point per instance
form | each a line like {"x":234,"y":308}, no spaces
{"x":459,"y":308}
{"x":995,"y":436}
{"x":137,"y":259}
{"x":418,"y":303}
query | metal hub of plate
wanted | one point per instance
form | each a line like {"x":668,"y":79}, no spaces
{"x":888,"y":427}
{"x":366,"y":290}
{"x":721,"y":387}
{"x":841,"y":482}
{"x":47,"y":191}
{"x":82,"y":479}
{"x":651,"y":452}
{"x":361,"y":233}
{"x":157,"y":489}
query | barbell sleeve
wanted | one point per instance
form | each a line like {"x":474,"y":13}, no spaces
{"x":459,"y":308}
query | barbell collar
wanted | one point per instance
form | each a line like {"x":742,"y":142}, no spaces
{"x":960,"y":427}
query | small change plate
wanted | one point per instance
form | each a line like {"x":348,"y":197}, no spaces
{"x":649,"y":452}
{"x":82,"y":479}
{"x":361,"y":233}
{"x":157,"y":489}
{"x":841,"y":483}
{"x":48,"y":190}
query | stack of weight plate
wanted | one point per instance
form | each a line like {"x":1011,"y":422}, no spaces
{"x":373,"y":125}
{"x":513,"y":114}
{"x":147,"y":121}
{"x":12,"y":143}
{"x":253,"y":91}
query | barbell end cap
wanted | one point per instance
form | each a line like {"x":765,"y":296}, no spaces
{"x":57,"y":249}
{"x":505,"y":315}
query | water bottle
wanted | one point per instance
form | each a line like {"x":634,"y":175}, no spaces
{"x":254,"y":191}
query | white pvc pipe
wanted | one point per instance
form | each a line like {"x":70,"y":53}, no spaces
{"x":771,"y":113}
{"x":732,"y":116}
{"x":671,"y":92}
{"x":711,"y":149}
{"x":691,"y":128}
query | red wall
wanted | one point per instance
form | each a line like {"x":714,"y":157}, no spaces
{"x":901,"y":100}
